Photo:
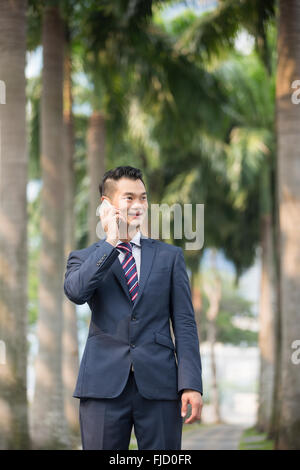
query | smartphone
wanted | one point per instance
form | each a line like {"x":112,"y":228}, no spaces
{"x":104,"y":203}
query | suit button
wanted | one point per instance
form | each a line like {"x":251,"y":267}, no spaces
{"x":132,"y":345}
{"x":133,"y":318}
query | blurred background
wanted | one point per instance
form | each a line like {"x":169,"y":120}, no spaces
{"x":202,"y":96}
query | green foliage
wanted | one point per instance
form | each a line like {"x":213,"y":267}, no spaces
{"x":34,"y":14}
{"x":253,"y":440}
{"x":81,"y":181}
{"x":225,"y":172}
{"x":34,"y":238}
{"x":228,"y":333}
{"x":180,"y":103}
{"x":177,"y":26}
{"x":215,"y":32}
{"x":33,"y":93}
{"x":233,"y":307}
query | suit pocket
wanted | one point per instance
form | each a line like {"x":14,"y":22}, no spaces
{"x":164,"y":340}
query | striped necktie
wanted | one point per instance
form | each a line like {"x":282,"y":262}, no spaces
{"x":129,"y":268}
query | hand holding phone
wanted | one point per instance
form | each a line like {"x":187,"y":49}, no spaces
{"x":104,"y":203}
{"x":110,"y":218}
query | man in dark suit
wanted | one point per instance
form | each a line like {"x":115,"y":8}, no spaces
{"x":131,"y":373}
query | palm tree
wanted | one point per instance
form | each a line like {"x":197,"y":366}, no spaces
{"x":213,"y":291}
{"x":69,"y":337}
{"x":268,"y":306}
{"x":48,"y":425}
{"x":13,"y":228}
{"x":288,"y":141}
{"x":96,"y":140}
{"x":255,"y":132}
{"x":211,"y":36}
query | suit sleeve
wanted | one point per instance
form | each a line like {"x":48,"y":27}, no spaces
{"x":185,"y":328}
{"x":84,"y":274}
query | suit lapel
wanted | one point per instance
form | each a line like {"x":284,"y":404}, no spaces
{"x":147,"y":255}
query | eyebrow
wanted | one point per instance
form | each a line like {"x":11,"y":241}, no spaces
{"x":132,"y":194}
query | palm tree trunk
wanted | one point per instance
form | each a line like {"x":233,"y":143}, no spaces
{"x":14,"y":432}
{"x":70,"y":339}
{"x":266,"y":329}
{"x":48,"y":426}
{"x":211,"y":337}
{"x":214,"y":294}
{"x":288,"y":119}
{"x":274,"y":424}
{"x":96,"y":168}
{"x":197,"y":299}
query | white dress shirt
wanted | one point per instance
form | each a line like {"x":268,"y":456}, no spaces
{"x":136,"y":252}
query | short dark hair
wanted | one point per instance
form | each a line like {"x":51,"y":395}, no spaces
{"x":119,"y":172}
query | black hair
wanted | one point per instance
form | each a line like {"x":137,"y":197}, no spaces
{"x":117,"y":173}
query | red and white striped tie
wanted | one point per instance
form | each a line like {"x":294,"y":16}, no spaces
{"x":130,"y":270}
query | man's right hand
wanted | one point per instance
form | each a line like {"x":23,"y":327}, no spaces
{"x":110,"y":223}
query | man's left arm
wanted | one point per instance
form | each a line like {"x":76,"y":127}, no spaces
{"x":186,"y":339}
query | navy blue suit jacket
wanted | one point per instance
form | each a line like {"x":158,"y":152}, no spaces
{"x":121,"y":333}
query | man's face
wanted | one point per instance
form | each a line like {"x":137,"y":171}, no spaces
{"x":131,"y":197}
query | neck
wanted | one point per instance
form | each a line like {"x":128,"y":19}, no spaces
{"x":130,"y":235}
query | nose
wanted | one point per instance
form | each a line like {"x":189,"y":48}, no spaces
{"x":137,"y":210}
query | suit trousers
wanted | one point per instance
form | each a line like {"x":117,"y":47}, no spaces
{"x":106,"y":423}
